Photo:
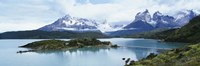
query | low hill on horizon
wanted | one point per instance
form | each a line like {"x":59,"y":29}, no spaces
{"x":38,"y":34}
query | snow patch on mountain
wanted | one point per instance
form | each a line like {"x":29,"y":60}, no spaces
{"x":143,"y":21}
{"x":71,"y":23}
{"x":158,"y":20}
{"x":106,"y":27}
{"x":68,"y":23}
{"x":143,"y":16}
{"x":183,"y":17}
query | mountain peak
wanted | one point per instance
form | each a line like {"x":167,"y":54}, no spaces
{"x":141,"y":21}
{"x":186,"y":12}
{"x":192,"y":13}
{"x":146,"y":11}
{"x":157,"y":16}
{"x":184,"y":16}
{"x":143,"y":16}
{"x":71,"y":23}
{"x":66,"y":17}
{"x":157,"y":13}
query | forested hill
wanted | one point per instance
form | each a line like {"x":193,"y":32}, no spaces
{"x":189,"y":33}
{"x":38,"y":34}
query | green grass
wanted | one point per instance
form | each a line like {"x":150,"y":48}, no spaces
{"x":187,"y":56}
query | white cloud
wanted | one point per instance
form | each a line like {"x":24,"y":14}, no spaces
{"x":124,"y":10}
{"x":36,"y":13}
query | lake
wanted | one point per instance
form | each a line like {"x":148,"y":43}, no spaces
{"x":135,"y":49}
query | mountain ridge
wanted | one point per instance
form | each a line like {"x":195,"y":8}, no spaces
{"x":143,"y":23}
{"x":143,"y":20}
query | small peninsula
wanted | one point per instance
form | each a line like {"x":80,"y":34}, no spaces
{"x":71,"y":44}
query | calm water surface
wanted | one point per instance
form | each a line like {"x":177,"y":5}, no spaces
{"x":132,"y":48}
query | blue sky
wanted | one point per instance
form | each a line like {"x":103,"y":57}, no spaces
{"x":31,"y":14}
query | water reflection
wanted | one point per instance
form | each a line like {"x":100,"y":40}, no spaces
{"x":141,"y":52}
{"x":90,"y":49}
{"x":75,"y":50}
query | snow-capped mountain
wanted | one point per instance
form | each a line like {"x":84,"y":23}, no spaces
{"x":143,"y":16}
{"x":141,"y":21}
{"x":158,"y":20}
{"x":105,"y":26}
{"x":145,"y":22}
{"x":183,"y":17}
{"x":180,"y":19}
{"x":71,"y":23}
{"x":140,"y":24}
{"x":163,"y":21}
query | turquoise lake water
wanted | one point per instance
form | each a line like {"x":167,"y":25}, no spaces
{"x":131,"y":48}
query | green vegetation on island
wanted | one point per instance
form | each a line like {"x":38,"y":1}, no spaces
{"x":61,"y":44}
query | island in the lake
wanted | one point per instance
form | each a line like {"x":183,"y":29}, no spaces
{"x":61,"y":44}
